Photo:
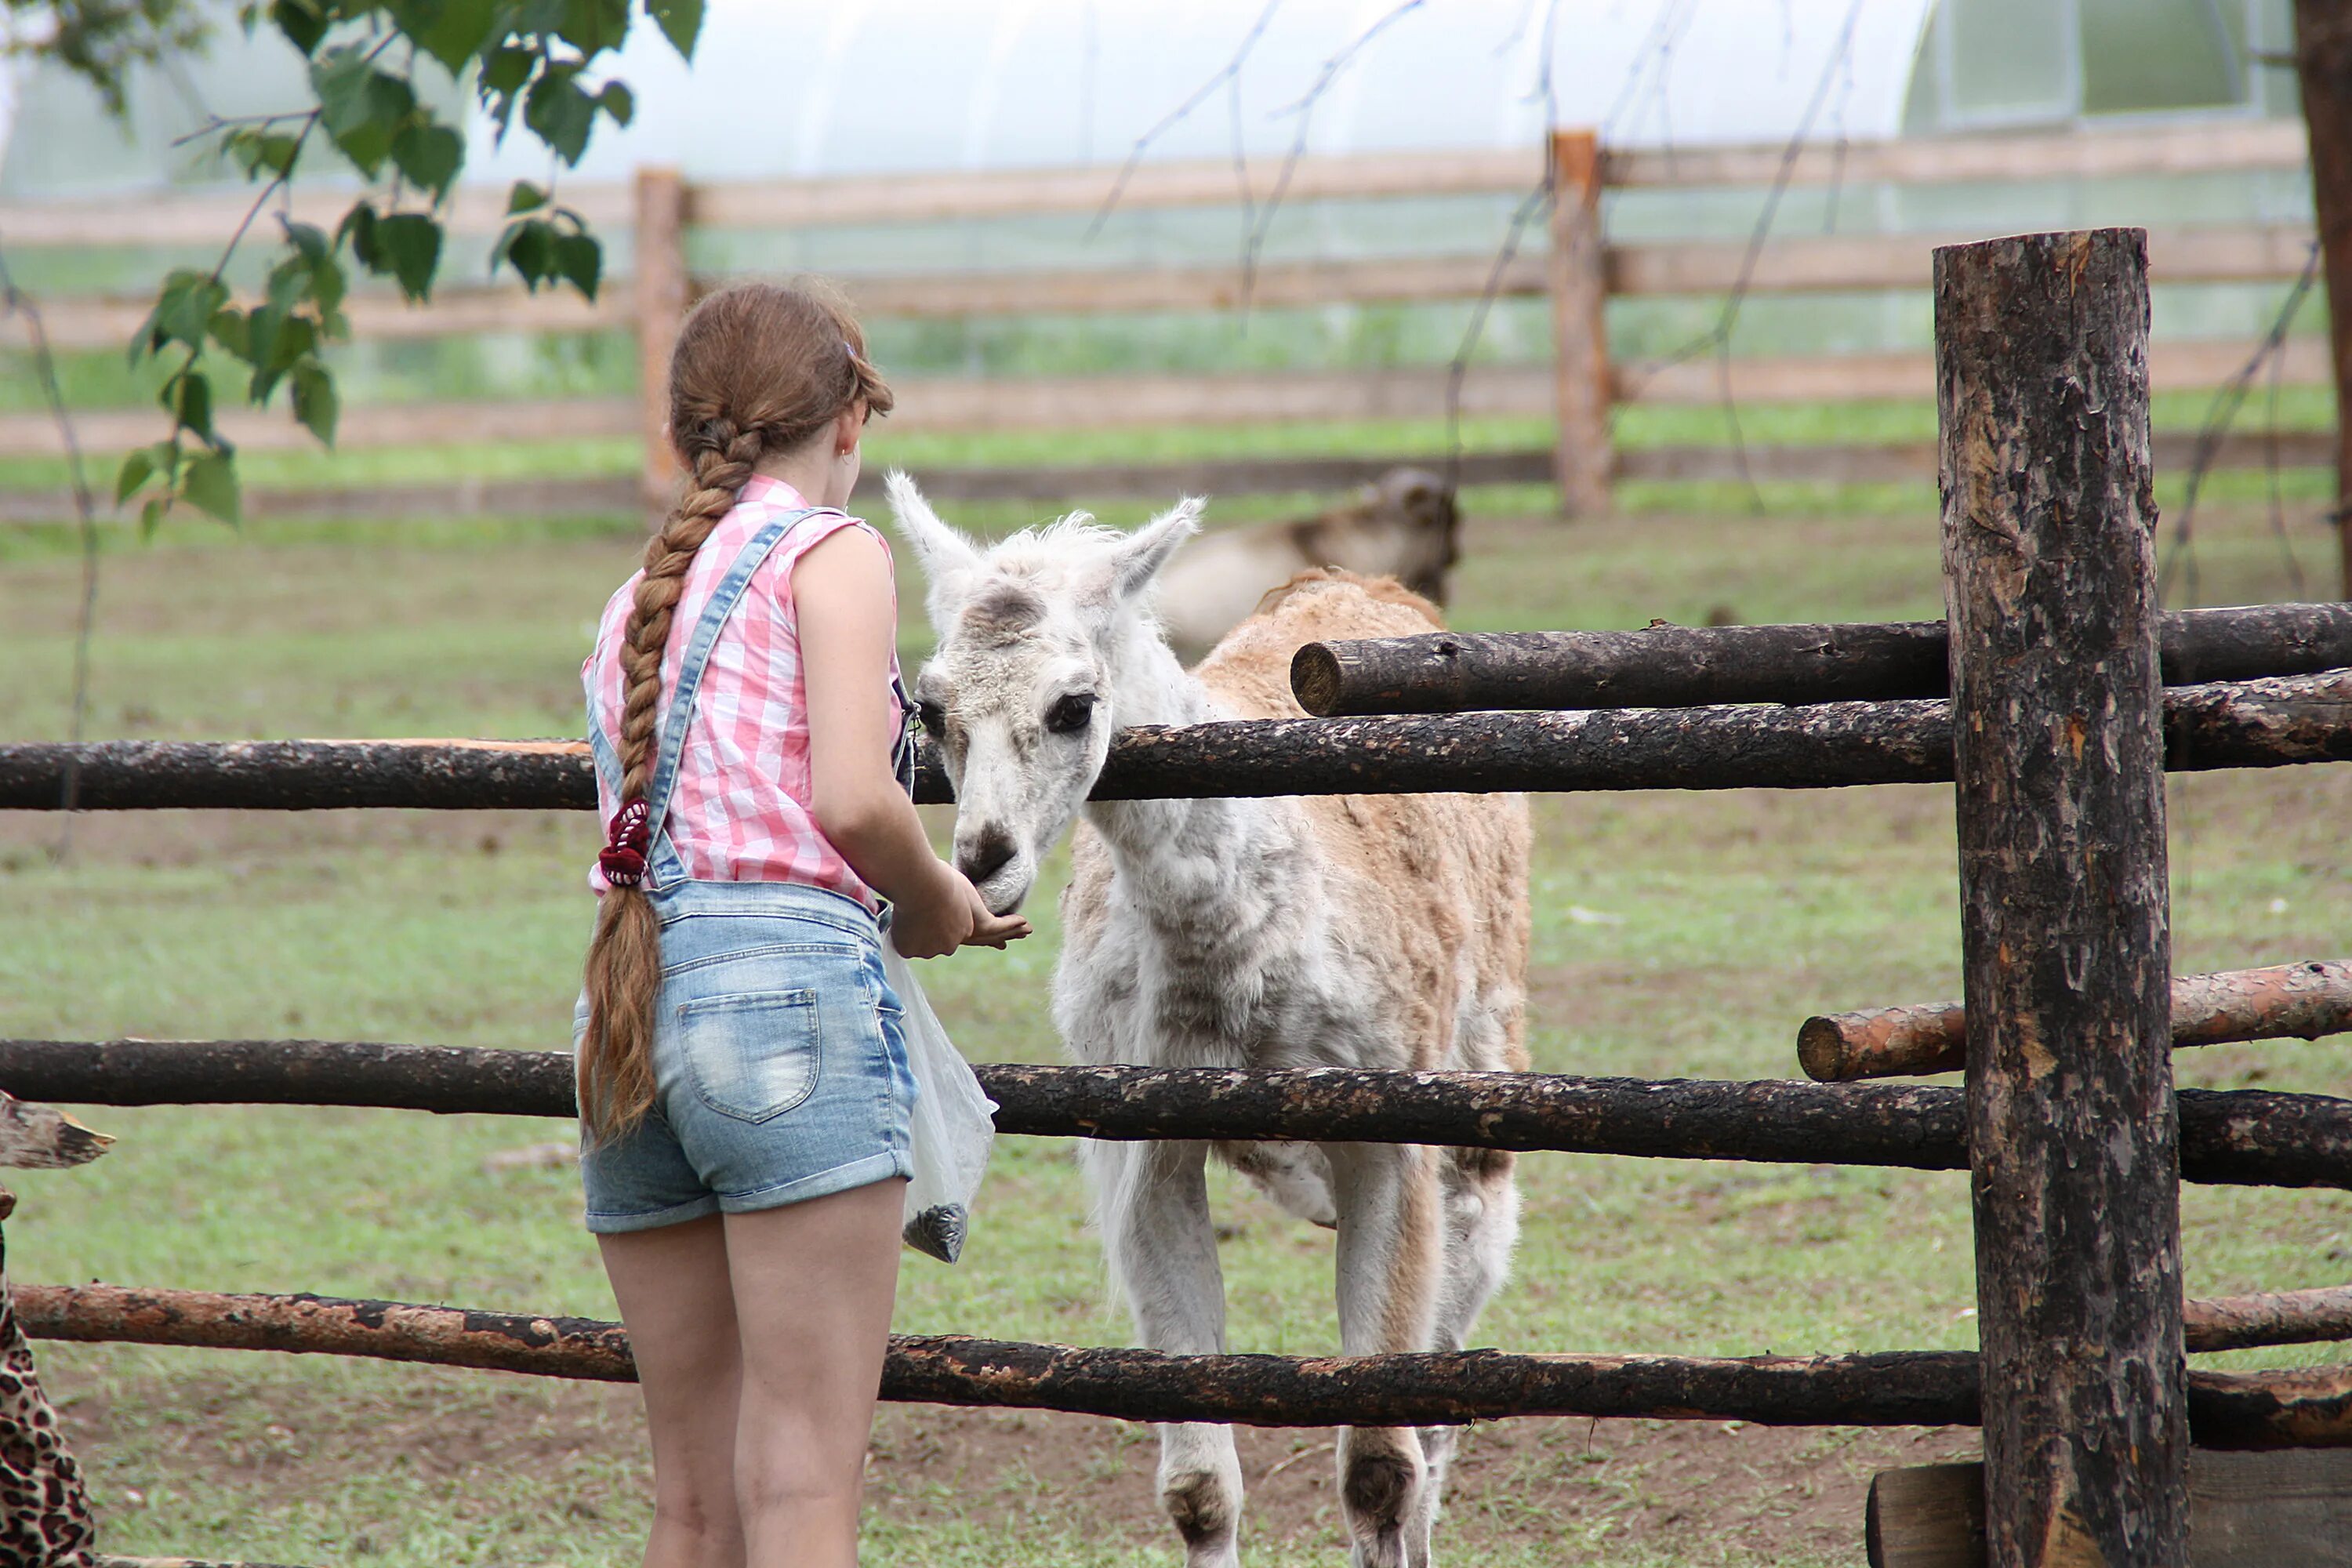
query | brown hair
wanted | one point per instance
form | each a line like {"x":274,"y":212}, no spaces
{"x":759,"y":369}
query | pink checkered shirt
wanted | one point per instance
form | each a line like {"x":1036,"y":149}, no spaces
{"x":739,"y":811}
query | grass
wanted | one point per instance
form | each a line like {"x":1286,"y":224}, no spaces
{"x":1678,"y":934}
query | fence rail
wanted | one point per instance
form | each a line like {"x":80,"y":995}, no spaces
{"x":2269,"y":722}
{"x":1581,"y":276}
{"x":2238,"y":1137}
{"x":2304,"y":1407}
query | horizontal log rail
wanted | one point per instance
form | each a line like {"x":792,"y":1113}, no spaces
{"x":2242,"y":1137}
{"x":622,"y":493}
{"x":176,"y":219}
{"x":2244,"y":724}
{"x":1811,"y":264}
{"x":1684,"y":667}
{"x":2304,"y":1407}
{"x":1844,"y":464}
{"x":969,"y":404}
{"x":2285,"y":1001}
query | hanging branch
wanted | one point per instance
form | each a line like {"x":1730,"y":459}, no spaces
{"x":1254,"y":235}
{"x":1718,"y":338}
{"x":1458,"y":370}
{"x":15,"y":302}
{"x":2222,"y":414}
{"x":1229,"y":72}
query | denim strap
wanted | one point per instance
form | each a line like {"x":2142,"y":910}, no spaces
{"x":662,"y":866}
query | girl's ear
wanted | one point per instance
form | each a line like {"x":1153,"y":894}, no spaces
{"x":945,"y":553}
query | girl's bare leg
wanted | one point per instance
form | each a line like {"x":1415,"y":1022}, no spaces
{"x":814,"y":1283}
{"x":674,"y":1296}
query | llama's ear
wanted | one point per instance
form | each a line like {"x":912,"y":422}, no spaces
{"x":1141,"y":554}
{"x":944,"y":552}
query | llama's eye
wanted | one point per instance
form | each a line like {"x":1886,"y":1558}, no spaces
{"x":1070,"y":714}
{"x":934,"y":718}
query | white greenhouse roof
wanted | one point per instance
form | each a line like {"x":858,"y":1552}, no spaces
{"x":873,"y":86}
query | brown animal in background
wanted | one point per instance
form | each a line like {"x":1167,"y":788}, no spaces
{"x":1402,"y":526}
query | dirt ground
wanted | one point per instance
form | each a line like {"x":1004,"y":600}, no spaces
{"x":1711,"y":1489}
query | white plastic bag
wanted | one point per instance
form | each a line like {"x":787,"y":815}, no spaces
{"x":954,"y":1126}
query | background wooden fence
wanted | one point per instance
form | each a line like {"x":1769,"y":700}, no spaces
{"x":1579,"y":270}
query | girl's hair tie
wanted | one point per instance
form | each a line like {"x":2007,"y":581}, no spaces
{"x":623,"y":858}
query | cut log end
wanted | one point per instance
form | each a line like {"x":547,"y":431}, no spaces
{"x":1315,"y":679}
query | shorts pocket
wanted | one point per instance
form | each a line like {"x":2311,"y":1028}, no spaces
{"x":753,"y":1055}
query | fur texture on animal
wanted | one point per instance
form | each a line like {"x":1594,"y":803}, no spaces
{"x":1402,"y":526}
{"x":1384,"y":932}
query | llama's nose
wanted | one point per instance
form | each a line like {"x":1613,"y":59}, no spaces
{"x":985,"y":855}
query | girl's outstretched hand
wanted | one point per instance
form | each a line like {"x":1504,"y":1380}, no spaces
{"x":954,"y":916}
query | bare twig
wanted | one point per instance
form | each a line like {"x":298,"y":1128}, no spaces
{"x":1458,"y":370}
{"x":1303,"y":108}
{"x":2180,"y":558}
{"x":17,"y":302}
{"x":1226,"y":73}
{"x":1716,"y":338}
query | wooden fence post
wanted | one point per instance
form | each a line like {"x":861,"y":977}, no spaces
{"x":2322,"y":53}
{"x":661,"y":298}
{"x":2050,"y":578}
{"x":1579,"y":325}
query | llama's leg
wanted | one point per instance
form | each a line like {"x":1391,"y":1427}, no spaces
{"x":1153,"y":1202}
{"x":1392,"y":1254}
{"x":1482,"y":1226}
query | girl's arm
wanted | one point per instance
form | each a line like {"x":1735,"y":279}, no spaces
{"x":841,"y":597}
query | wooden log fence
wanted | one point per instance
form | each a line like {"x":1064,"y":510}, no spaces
{"x":1581,"y":274}
{"x":1688,"y":666}
{"x":2242,"y":1137}
{"x":2057,"y":733}
{"x":2303,"y":1407}
{"x":2285,"y":1001}
{"x":2269,"y":722}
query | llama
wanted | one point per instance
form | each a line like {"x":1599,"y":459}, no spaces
{"x":1403,"y":525}
{"x":1350,"y":930}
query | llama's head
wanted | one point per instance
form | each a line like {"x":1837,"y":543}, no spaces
{"x":1023,"y":693}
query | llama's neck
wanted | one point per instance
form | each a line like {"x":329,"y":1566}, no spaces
{"x":1209,"y":872}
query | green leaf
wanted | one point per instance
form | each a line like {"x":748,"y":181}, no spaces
{"x":559,"y":114}
{"x":525,"y":198}
{"x":184,"y":309}
{"x":304,"y":22}
{"x":580,"y":259}
{"x":187,"y":397}
{"x":318,"y":253}
{"x":149,"y":516}
{"x":209,"y":484}
{"x":408,"y":246}
{"x":233,"y":332}
{"x":146,"y":463}
{"x":296,"y":339}
{"x":529,"y":247}
{"x":502,"y":77}
{"x":259,"y":151}
{"x":617,"y":101}
{"x":680,"y":22}
{"x":315,"y":403}
{"x":362,"y":108}
{"x":451,"y":31}
{"x":428,"y":156}
{"x":592,"y":26}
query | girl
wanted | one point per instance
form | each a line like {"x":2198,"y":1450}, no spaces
{"x":743,"y":1082}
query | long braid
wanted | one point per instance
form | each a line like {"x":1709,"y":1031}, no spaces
{"x":623,"y":972}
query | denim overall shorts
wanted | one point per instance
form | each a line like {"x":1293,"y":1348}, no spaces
{"x":778,"y":1053}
